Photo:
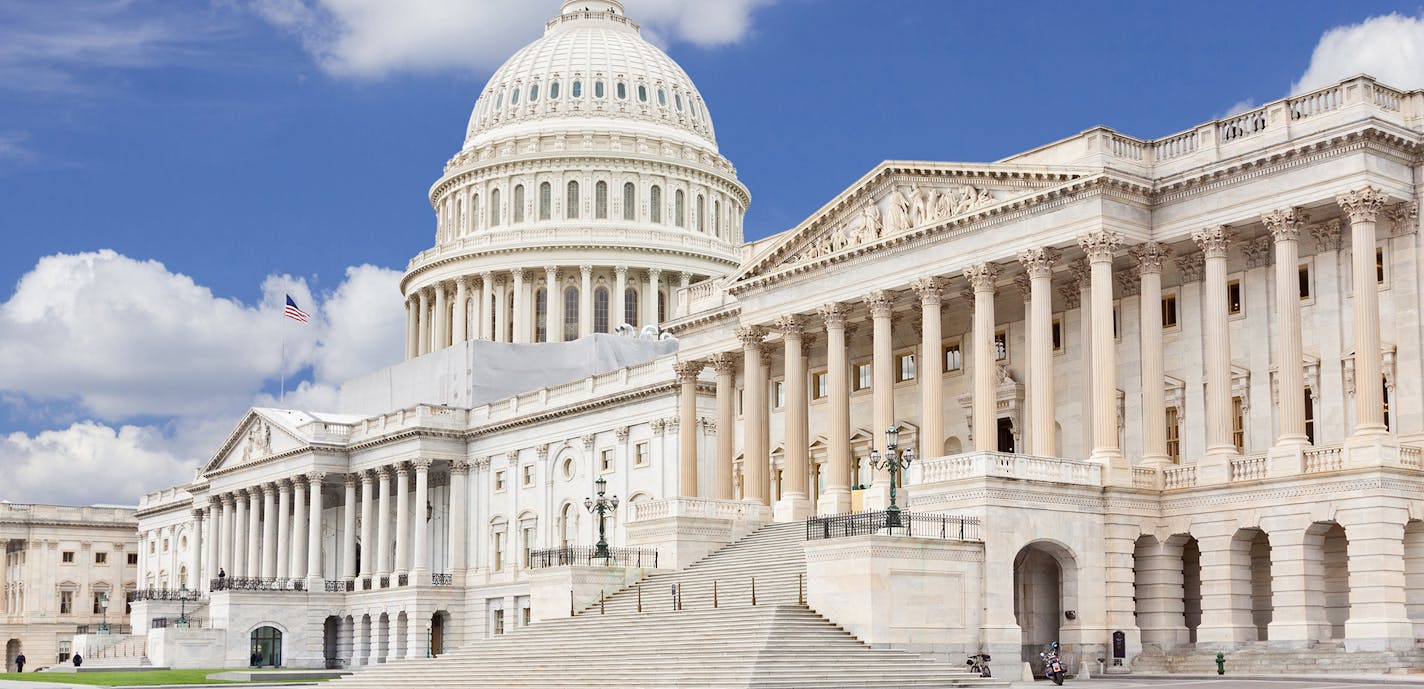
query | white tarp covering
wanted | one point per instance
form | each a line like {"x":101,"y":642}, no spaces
{"x":475,"y":372}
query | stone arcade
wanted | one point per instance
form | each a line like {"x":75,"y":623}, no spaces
{"x":1177,"y":382}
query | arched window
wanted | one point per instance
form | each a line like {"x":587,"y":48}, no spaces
{"x":655,"y":203}
{"x":514,"y":98}
{"x":642,"y":93}
{"x":630,"y":201}
{"x":621,"y":90}
{"x":519,"y":203}
{"x":554,"y":90}
{"x":600,"y":309}
{"x":701,"y":211}
{"x":677,"y":99}
{"x":571,"y":314}
{"x":533,"y":93}
{"x":576,"y":90}
{"x":568,"y":526}
{"x":600,"y":200}
{"x":475,"y":210}
{"x":546,"y":199}
{"x":717,"y":219}
{"x":571,"y":201}
{"x":494,"y":208}
{"x":679,"y":212}
{"x":630,"y":306}
{"x":662,"y":98}
{"x":598,"y":89}
{"x":541,"y":314}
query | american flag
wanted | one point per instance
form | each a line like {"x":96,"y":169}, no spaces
{"x":295,"y":313}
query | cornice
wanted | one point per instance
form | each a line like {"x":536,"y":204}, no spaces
{"x":668,"y":387}
{"x":414,"y":270}
{"x":727,"y":312}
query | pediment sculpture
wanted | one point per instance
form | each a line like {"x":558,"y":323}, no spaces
{"x":259,"y":441}
{"x":924,"y":205}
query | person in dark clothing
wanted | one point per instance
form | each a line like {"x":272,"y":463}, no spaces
{"x":78,"y":660}
{"x":20,"y":663}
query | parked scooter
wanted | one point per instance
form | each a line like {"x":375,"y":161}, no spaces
{"x":979,"y":662}
{"x":1052,"y":666}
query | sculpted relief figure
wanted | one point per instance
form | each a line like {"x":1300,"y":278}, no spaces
{"x":899,"y":212}
{"x":872,"y":226}
{"x":944,"y":207}
{"x":923,"y":204}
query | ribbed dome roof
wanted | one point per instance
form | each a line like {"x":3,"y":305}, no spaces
{"x":591,"y":68}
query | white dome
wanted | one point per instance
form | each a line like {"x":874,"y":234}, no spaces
{"x":591,"y":68}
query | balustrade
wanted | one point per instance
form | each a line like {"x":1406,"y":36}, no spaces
{"x":1248,"y":468}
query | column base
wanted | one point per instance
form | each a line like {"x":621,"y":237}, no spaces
{"x":1287,"y":457}
{"x":792,"y":507}
{"x":1371,"y":448}
{"x":1157,"y":462}
{"x":1379,"y":635}
{"x":420,"y":576}
{"x":1116,"y":470}
{"x":1214,"y":468}
{"x":833,"y":501}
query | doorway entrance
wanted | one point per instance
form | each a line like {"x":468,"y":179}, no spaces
{"x":1006,"y":435}
{"x":266,"y":647}
{"x":12,"y":651}
{"x":1045,"y":595}
{"x":437,"y":634}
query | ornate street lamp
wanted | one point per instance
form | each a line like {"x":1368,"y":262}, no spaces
{"x":104,"y":612}
{"x":183,"y":604}
{"x":894,"y":461}
{"x":601,"y":506}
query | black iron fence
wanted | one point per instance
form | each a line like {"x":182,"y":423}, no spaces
{"x":339,"y":586}
{"x":161,"y":594}
{"x":439,"y":579}
{"x":946,"y":526}
{"x":115,"y":629}
{"x":166,"y":622}
{"x":258,"y":584}
{"x":584,"y":556}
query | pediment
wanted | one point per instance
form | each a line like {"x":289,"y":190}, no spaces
{"x":897,"y":199}
{"x":257,"y":437}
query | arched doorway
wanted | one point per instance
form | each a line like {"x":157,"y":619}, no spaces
{"x":331,"y":641}
{"x":266,"y":648}
{"x":437,"y":634}
{"x":12,"y":651}
{"x":1045,"y":594}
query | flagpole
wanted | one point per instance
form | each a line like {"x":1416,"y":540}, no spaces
{"x":282,"y":399}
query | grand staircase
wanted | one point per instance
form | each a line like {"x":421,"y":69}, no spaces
{"x":707,"y":635}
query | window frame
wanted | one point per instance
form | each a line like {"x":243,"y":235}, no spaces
{"x":1240,"y":312}
{"x":900,"y":357}
{"x":856,"y":367}
{"x":956,"y":345}
{"x":642,"y":454}
{"x":820,"y":385}
{"x":1057,"y":335}
{"x":1175,"y":297}
{"x":500,"y":484}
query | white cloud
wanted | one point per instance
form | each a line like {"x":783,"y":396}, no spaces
{"x":1389,"y":48}
{"x":372,"y":38}
{"x":89,"y":463}
{"x":14,"y":146}
{"x":364,"y":325}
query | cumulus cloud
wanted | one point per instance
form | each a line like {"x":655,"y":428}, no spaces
{"x":89,"y":463}
{"x":364,"y":325}
{"x":372,"y":38}
{"x":1389,"y":48}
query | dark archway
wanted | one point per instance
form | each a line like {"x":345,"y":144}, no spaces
{"x":331,"y":641}
{"x":266,"y":647}
{"x":1006,"y":435}
{"x":438,"y":623}
{"x":1045,"y":590}
{"x":12,"y":651}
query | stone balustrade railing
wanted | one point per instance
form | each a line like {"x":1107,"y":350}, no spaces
{"x":1179,"y":477}
{"x":1324,"y":459}
{"x":602,"y":384}
{"x":707,"y":508}
{"x":1251,"y":468}
{"x":490,"y":240}
{"x":1005,"y":465}
{"x":1411,"y":457}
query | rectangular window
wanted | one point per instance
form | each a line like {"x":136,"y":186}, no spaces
{"x":98,"y":603}
{"x":1379,"y":265}
{"x":101,"y":558}
{"x":820,"y":385}
{"x":1309,"y":418}
{"x":499,"y":481}
{"x":1238,"y":425}
{"x":498,"y":622}
{"x":904,"y":367}
{"x":953,"y":358}
{"x":66,"y":602}
{"x":1058,"y":335}
{"x":528,"y":475}
{"x":1169,"y":311}
{"x":1174,"y":436}
{"x":527,"y":545}
{"x":1001,"y":346}
{"x":605,"y":461}
{"x":640,"y":455}
{"x":1117,"y":332}
{"x":67,"y":557}
{"x":133,"y":559}
{"x":498,"y":551}
{"x":863,"y":376}
{"x":524,"y":616}
{"x":778,"y":392}
{"x":1303,"y":278}
{"x":1233,"y":298}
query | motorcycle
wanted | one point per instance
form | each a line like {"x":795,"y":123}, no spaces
{"x":979,"y":662}
{"x":1052,"y":666}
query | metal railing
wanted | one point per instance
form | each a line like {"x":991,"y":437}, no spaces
{"x":161,"y":594}
{"x":946,"y":526}
{"x":439,"y":579}
{"x":584,"y":556}
{"x":402,"y":580}
{"x":339,"y":586}
{"x":115,"y":629}
{"x":166,"y":622}
{"x":258,"y":584}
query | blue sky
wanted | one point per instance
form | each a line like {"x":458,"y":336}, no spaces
{"x":228,"y":151}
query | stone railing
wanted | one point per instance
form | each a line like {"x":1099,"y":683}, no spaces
{"x":1248,"y":468}
{"x":1144,"y":477}
{"x":706,"y":508}
{"x":1324,"y":459}
{"x":601,"y":232}
{"x":700,"y":297}
{"x":1179,"y":477}
{"x":1006,"y":465}
{"x":1411,"y":457}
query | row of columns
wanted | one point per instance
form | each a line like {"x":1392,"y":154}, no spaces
{"x":1099,"y":248}
{"x":438,"y":316}
{"x":274,"y":530}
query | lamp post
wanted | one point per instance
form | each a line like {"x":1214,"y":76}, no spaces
{"x":894,"y":461}
{"x":183,"y":605}
{"x":104,"y":613}
{"x":601,"y":506}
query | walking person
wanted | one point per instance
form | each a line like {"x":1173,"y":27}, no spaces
{"x":20,"y":663}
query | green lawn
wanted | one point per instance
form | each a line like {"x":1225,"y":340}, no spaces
{"x":151,"y":678}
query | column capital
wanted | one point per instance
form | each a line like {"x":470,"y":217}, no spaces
{"x":654,"y":273}
{"x":459,"y":467}
{"x":1025,"y":285}
{"x":487,"y":277}
{"x":982,"y":276}
{"x":517,"y":274}
{"x":833,"y":315}
{"x":1072,"y":296}
{"x":366,"y":477}
{"x":1100,"y":246}
{"x":586,"y":271}
{"x":1082,"y":273}
{"x":269,"y":488}
{"x":621,"y":433}
{"x":1191,"y":267}
{"x":422,"y":464}
{"x":751,"y":335}
{"x":1038,"y":263}
{"x":552,"y":272}
{"x":1213,"y":241}
{"x":930,"y":289}
{"x":284,"y":485}
{"x":790,"y":326}
{"x":880,"y":302}
{"x":687,"y":371}
{"x":350,"y":480}
{"x":227,"y":499}
{"x":198,"y":514}
{"x":723,"y":362}
{"x":768,"y":350}
{"x":481,"y":464}
{"x":383,"y":473}
{"x":316,"y":478}
{"x":1285,"y":224}
{"x":620,"y":271}
{"x":1149,"y":257}
{"x":588,"y":439}
{"x":1403,"y":217}
{"x":1327,"y":235}
{"x":541,"y":452}
{"x":1363,"y":205}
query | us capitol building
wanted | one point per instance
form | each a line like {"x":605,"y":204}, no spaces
{"x":1163,"y":395}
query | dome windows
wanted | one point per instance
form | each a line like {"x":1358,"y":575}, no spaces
{"x":679,"y":213}
{"x":545,"y":200}
{"x":494,"y":208}
{"x":662,"y":98}
{"x":533,"y":93}
{"x":600,"y":201}
{"x":554,"y":90}
{"x":597,"y":89}
{"x":677,"y":100}
{"x":630,"y":201}
{"x":621,"y":91}
{"x":576,"y":89}
{"x":499,"y":100}
{"x":655,"y":201}
{"x":571,"y":201}
{"x":642,"y":93}
{"x":519,"y":203}
{"x":514,"y":96}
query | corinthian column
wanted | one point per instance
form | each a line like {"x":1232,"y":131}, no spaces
{"x":348,"y":529}
{"x":650,"y":296}
{"x":836,"y":499}
{"x":486,"y":319}
{"x":297,"y":566}
{"x":460,"y":330}
{"x":459,"y":517}
{"x":225,"y":534}
{"x":314,"y":572}
{"x":269,"y":531}
{"x":420,"y":543}
{"x":754,"y":412}
{"x":412,"y":330}
{"x":585,"y":319}
{"x":795,"y":503}
{"x":501,"y":312}
{"x":620,"y":286}
{"x":726,"y":367}
{"x":1363,"y":208}
{"x":1099,"y":248}
{"x":1154,"y":404}
{"x":1284,"y":226}
{"x":981,"y":278}
{"x":423,"y":338}
{"x":553,"y":306}
{"x":402,"y":519}
{"x":882,"y":392}
{"x":383,"y":522}
{"x":521,"y":308}
{"x":254,"y":532}
{"x":1038,"y":263}
{"x":687,"y":372}
{"x":368,"y":520}
{"x":284,"y":527}
{"x":442,"y":315}
{"x":931,"y":293}
{"x":1219,"y":445}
